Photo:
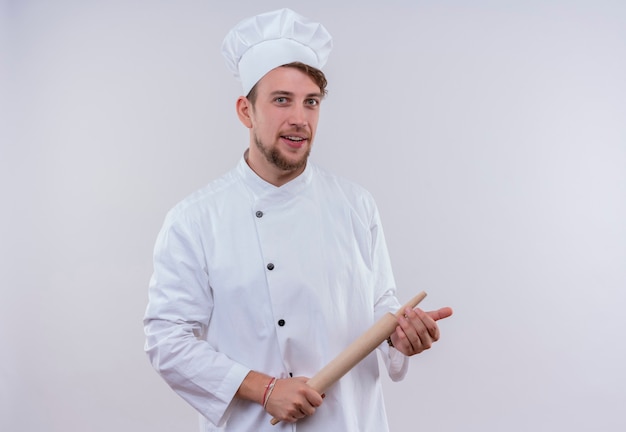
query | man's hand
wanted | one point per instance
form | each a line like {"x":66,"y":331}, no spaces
{"x":418,"y":330}
{"x":292,"y":399}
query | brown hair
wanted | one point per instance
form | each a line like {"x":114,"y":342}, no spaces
{"x":315,"y":74}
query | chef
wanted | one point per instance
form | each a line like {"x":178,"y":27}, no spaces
{"x":267,"y":273}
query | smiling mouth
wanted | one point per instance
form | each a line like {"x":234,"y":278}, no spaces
{"x":294,"y":142}
{"x":295,"y":139}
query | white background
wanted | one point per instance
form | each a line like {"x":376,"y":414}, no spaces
{"x":492,"y":134}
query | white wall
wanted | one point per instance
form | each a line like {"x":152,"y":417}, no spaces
{"x":492,"y":134}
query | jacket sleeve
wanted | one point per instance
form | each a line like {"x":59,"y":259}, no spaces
{"x":176,"y":320}
{"x":397,"y":364}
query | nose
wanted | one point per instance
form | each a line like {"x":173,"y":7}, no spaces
{"x":298,"y":117}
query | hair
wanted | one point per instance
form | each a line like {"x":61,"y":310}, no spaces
{"x":315,"y":74}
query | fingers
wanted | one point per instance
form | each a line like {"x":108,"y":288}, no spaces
{"x":440,"y":314}
{"x":420,"y":329}
{"x":429,"y":324}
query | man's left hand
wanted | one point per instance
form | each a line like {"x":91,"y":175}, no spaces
{"x":418,"y":330}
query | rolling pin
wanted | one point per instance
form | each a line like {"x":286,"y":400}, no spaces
{"x":359,"y":349}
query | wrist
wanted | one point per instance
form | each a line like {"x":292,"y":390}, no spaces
{"x":253,"y":387}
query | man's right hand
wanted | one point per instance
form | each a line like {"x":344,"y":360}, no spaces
{"x":292,"y":399}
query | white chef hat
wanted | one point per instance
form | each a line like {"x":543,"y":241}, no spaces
{"x":259,"y":44}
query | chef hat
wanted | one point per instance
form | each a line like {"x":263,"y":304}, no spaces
{"x":259,"y":44}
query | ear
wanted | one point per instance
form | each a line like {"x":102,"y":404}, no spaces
{"x":244,"y":109}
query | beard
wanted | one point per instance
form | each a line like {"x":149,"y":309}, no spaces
{"x":273,"y":156}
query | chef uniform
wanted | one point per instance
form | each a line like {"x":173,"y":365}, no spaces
{"x":250,"y":276}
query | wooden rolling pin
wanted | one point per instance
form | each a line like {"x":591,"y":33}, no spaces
{"x":359,"y":349}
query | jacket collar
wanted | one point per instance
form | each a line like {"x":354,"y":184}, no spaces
{"x":261,"y":188}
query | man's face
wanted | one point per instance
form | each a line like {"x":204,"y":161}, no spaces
{"x":284,"y":120}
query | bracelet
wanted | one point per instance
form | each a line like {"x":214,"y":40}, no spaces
{"x":268,"y":391}
{"x":389,"y":342}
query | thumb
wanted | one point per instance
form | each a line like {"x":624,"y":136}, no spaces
{"x":440,"y":314}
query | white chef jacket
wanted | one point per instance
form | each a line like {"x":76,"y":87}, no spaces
{"x":250,"y":276}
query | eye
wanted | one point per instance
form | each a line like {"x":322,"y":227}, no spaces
{"x":280,"y":100}
{"x":312,"y":102}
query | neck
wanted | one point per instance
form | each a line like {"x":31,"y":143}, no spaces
{"x":274,"y":176}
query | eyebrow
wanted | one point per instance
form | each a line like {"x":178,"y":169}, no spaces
{"x":290,"y":94}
